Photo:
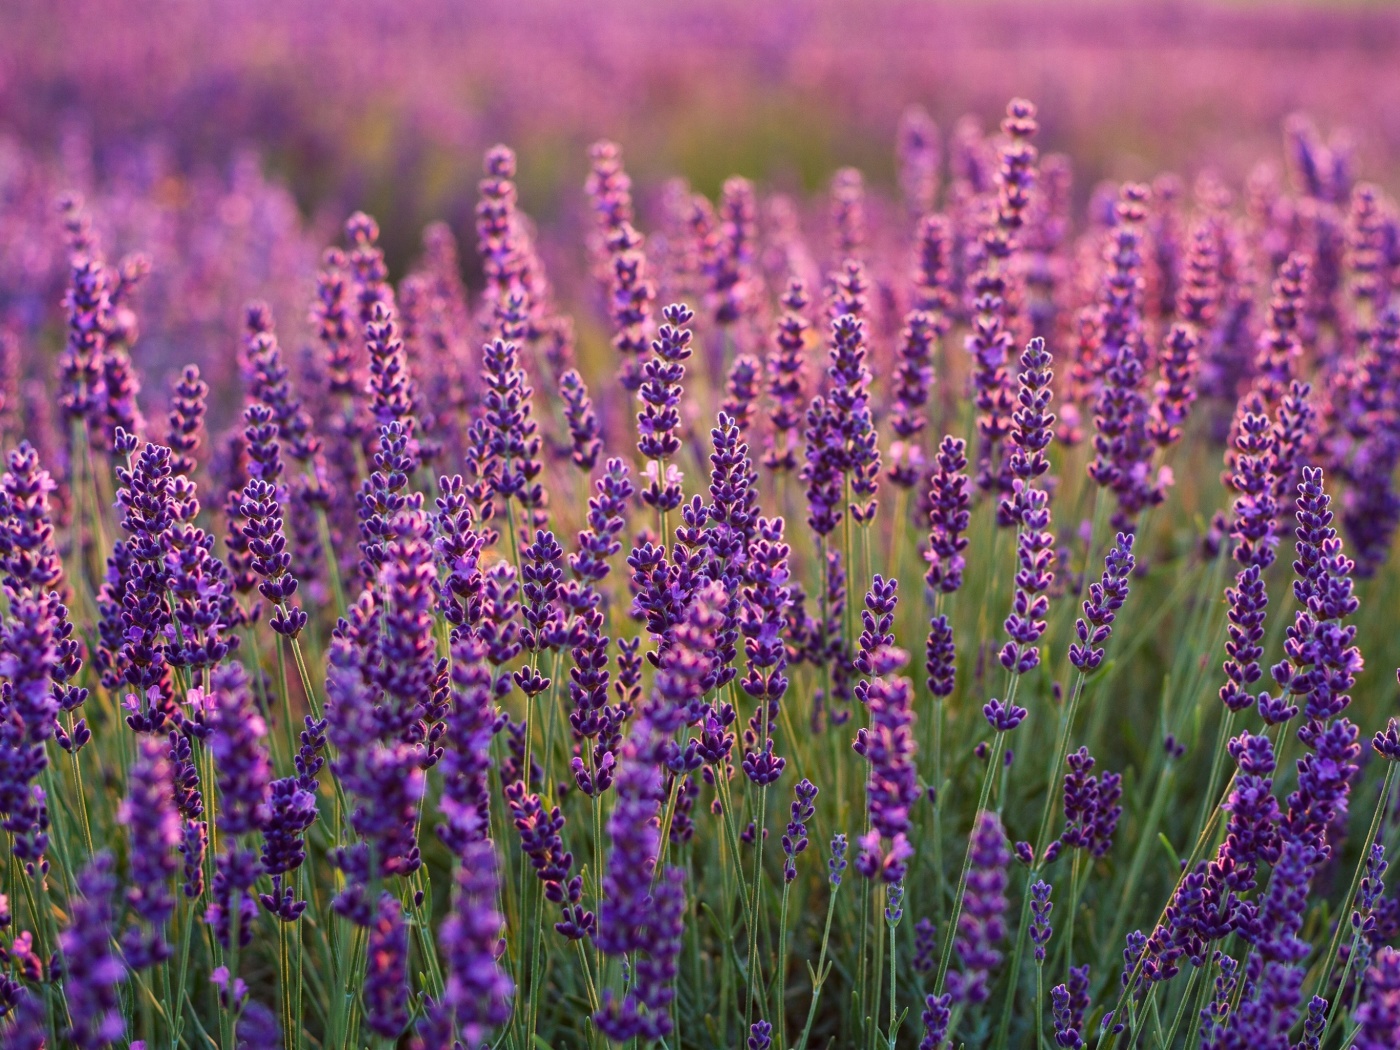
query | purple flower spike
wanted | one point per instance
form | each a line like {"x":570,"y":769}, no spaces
{"x":1175,"y":392}
{"x":1091,"y":805}
{"x":1003,"y":716}
{"x":478,"y":994}
{"x":936,"y":1016}
{"x":762,"y":619}
{"x":795,"y":837}
{"x":1040,"y":918}
{"x":584,"y":428}
{"x":892,"y":786}
{"x":1105,"y":599}
{"x":949,"y":514}
{"x":787,"y":379}
{"x":514,"y":434}
{"x":981,"y":925}
{"x":941,"y":657}
{"x":91,"y":971}
{"x":741,"y":390}
{"x":1034,"y":556}
{"x":1378,"y":1016}
{"x":659,"y":421}
{"x":154,"y":825}
{"x":1069,"y":1004}
{"x":913,"y":378}
{"x":1387,"y":742}
{"x":261,"y":509}
{"x":386,"y":978}
{"x":1033,"y":421}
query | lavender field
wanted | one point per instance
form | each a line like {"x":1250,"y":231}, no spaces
{"x":800,"y":526}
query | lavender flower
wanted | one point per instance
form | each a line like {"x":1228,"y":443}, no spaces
{"x":1091,"y":805}
{"x":262,"y":521}
{"x":937,"y":1014}
{"x":795,"y":837}
{"x":941,"y":657}
{"x":1040,"y":917}
{"x":1175,"y":392}
{"x":1378,"y":1016}
{"x":583,"y":422}
{"x":918,"y":155}
{"x":913,"y":378}
{"x":787,"y":368}
{"x":741,"y":390}
{"x":386,"y":976}
{"x":1070,"y":1003}
{"x":762,"y":618}
{"x":187,"y":409}
{"x":949,"y":514}
{"x":514,"y":434}
{"x":1100,"y":609}
{"x":149,"y":813}
{"x":478,"y":993}
{"x":91,"y":971}
{"x":660,"y":393}
{"x":892,"y":786}
{"x":981,"y":924}
{"x":1034,"y":555}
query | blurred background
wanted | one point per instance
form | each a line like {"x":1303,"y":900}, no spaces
{"x":229,"y":138}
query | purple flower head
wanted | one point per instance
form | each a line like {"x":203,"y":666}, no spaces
{"x":1091,"y":805}
{"x":1040,"y":917}
{"x":766,"y":597}
{"x":584,"y":428}
{"x":913,"y":377}
{"x":941,"y":657}
{"x":386,"y":976}
{"x":237,"y":735}
{"x":1069,"y":1004}
{"x":981,"y":925}
{"x":836,"y":864}
{"x":1033,"y":421}
{"x":919,"y":158}
{"x":514,"y":434}
{"x":949,"y":514}
{"x":1106,"y":597}
{"x":1387,"y":742}
{"x":787,"y":379}
{"x":933,"y":270}
{"x":149,"y":813}
{"x":936,"y":1016}
{"x":261,"y":524}
{"x":1248,"y":601}
{"x":795,"y":837}
{"x":1253,"y":477}
{"x":925,"y":946}
{"x":892,"y":786}
{"x":188,"y":403}
{"x":1175,"y":392}
{"x":1035,"y":554}
{"x":1378,"y":1017}
{"x":1321,"y":663}
{"x":658,"y":423}
{"x":1324,"y":782}
{"x":478,"y":993}
{"x":730,"y":267}
{"x":852,"y":446}
{"x":741,"y":390}
{"x":92,"y":971}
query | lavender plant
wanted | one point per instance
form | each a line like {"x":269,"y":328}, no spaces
{"x":547,"y":659}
